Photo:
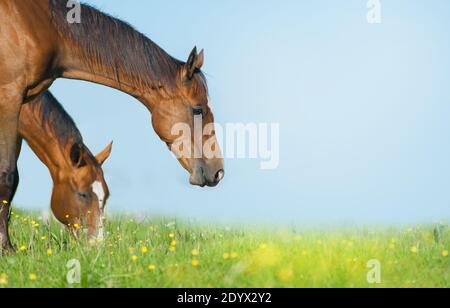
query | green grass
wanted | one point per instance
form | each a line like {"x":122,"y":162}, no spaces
{"x":236,"y":257}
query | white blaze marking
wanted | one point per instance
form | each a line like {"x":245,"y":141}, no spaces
{"x":101,"y":231}
{"x":97,"y":188}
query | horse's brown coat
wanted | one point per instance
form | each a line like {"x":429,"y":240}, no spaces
{"x":52,"y":135}
{"x":37,"y":46}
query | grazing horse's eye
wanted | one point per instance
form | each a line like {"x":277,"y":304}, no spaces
{"x":198,"y":111}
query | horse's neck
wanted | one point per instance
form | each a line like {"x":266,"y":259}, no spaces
{"x":111,"y":53}
{"x":42,"y":140}
{"x":76,"y":66}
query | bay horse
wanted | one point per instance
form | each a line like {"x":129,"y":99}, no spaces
{"x":39,"y":43}
{"x":80,"y":191}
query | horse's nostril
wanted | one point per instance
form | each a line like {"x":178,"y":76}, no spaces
{"x":219,"y":176}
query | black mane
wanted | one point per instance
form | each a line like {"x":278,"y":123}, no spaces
{"x":116,"y":46}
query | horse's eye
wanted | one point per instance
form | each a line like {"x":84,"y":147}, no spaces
{"x":82,"y":196}
{"x":198,"y":111}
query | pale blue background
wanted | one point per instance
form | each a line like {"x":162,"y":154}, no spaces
{"x":364,"y":112}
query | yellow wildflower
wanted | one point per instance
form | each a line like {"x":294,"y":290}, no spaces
{"x":171,"y":235}
{"x":445,"y":253}
{"x":33,"y":277}
{"x":173,"y":243}
{"x":3,"y":279}
{"x":226,"y":256}
{"x":49,"y":251}
{"x":152,"y":267}
{"x":414,"y":249}
{"x":23,"y":248}
{"x":144,"y":249}
{"x":195,"y":262}
{"x":286,"y":274}
{"x":195,"y":252}
{"x":134,"y":258}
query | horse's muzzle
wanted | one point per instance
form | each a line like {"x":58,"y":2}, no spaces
{"x":199,"y":178}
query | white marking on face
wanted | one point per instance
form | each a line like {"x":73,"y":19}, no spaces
{"x":101,"y":231}
{"x":98,"y":190}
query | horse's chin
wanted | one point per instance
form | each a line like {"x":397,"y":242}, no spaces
{"x":201,"y":181}
{"x":197,"y":181}
{"x":200,"y":178}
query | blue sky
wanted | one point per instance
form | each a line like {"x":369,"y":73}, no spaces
{"x":363,"y":110}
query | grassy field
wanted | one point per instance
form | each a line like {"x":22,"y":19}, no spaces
{"x":159,"y":253}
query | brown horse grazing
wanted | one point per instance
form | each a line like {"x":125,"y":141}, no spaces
{"x":80,"y":191}
{"x":38,"y":44}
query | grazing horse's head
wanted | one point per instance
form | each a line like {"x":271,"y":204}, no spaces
{"x":79,"y":196}
{"x":185,"y":122}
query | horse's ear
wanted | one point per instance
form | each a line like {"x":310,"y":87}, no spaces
{"x":195,"y":62}
{"x":77,"y":155}
{"x":200,"y":59}
{"x":104,"y":155}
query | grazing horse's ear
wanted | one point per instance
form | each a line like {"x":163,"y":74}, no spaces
{"x":104,"y":155}
{"x":195,"y":62}
{"x":77,"y":155}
